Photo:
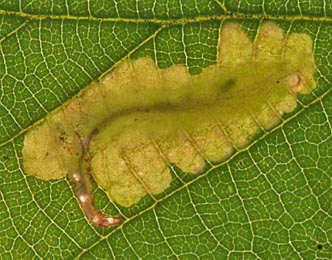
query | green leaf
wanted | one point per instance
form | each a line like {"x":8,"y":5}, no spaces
{"x":269,"y":200}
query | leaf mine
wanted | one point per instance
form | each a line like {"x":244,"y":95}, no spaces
{"x":126,"y":129}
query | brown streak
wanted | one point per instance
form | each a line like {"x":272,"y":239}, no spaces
{"x":82,"y":187}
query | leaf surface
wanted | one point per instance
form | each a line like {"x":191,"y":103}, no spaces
{"x":269,"y":200}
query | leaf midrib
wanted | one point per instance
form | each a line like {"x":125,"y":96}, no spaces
{"x":171,"y":21}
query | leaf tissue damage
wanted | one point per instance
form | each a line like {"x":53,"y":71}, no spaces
{"x":127,"y":128}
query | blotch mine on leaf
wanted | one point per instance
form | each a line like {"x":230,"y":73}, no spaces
{"x":126,"y":129}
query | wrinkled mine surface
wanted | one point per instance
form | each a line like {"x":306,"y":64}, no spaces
{"x":126,"y":129}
